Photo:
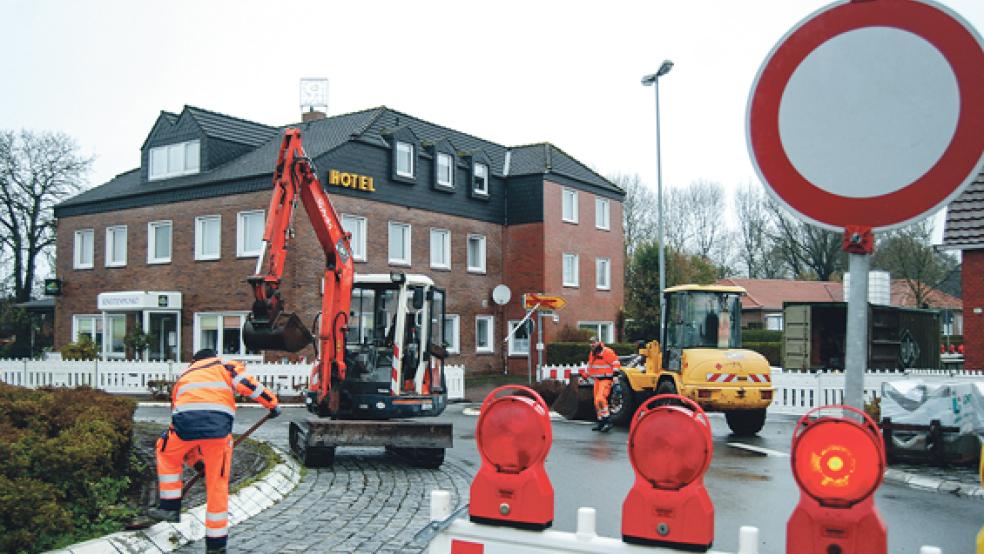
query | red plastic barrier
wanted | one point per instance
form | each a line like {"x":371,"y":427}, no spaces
{"x":838,"y":463}
{"x":514,"y":436}
{"x":670,"y":449}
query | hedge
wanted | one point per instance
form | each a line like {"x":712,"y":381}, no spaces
{"x":768,"y":349}
{"x":63,"y":465}
{"x":760,"y":335}
{"x":571,"y":353}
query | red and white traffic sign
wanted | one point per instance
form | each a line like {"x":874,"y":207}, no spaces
{"x":870,"y":113}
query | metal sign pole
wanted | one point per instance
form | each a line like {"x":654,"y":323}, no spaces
{"x":856,"y":349}
{"x":539,"y":344}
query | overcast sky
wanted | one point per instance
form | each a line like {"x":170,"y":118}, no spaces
{"x":511,"y":72}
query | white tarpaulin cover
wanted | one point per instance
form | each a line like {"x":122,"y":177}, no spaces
{"x":954,"y":403}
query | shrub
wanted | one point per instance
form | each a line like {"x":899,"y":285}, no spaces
{"x":760,"y":335}
{"x":84,"y":349}
{"x":31,"y":517}
{"x":573,"y":334}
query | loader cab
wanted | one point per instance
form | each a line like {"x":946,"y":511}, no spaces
{"x":699,"y":316}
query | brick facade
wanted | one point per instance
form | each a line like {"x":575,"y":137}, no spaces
{"x":972,"y":287}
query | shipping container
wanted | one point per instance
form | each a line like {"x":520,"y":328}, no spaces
{"x":814,"y":336}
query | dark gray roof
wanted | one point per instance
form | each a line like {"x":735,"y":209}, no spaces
{"x":965,"y":218}
{"x":38,"y":304}
{"x":370,"y":126}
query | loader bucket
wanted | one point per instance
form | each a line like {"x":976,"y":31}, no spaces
{"x":575,"y":401}
{"x":286,"y":333}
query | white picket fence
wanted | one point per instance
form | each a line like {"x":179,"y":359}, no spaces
{"x":797,"y":392}
{"x":134,"y":377}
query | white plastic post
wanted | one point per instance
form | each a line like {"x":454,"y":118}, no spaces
{"x":930,"y":550}
{"x":440,"y":505}
{"x":748,"y":540}
{"x":586,"y":524}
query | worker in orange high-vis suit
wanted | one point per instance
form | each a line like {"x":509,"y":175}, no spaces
{"x":203,"y":406}
{"x":602,"y":363}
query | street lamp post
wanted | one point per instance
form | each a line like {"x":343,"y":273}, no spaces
{"x":653,"y":79}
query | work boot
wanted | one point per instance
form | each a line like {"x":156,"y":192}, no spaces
{"x":161,"y":514}
{"x":216,"y":550}
{"x":598,"y":425}
{"x":606,"y":425}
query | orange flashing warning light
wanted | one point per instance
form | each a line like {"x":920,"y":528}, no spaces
{"x":838,"y":462}
{"x":670,"y":449}
{"x":514,"y":435}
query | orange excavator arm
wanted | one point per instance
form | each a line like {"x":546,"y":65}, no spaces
{"x":268,"y":326}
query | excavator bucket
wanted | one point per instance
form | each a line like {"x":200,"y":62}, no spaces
{"x":575,"y":401}
{"x":286,"y":333}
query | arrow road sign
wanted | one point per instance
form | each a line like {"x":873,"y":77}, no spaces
{"x":546,"y":302}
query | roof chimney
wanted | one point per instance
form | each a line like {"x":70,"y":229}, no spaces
{"x":313,"y":115}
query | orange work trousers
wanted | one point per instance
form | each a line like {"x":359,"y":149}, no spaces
{"x":217,"y":456}
{"x":602,"y":388}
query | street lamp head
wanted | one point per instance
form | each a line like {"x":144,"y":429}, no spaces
{"x":663,"y":70}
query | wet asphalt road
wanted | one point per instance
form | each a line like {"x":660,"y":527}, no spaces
{"x":747,"y":488}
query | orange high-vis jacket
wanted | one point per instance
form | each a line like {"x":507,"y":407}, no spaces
{"x":603,"y":366}
{"x":203,"y":402}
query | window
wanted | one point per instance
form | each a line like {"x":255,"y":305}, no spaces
{"x":480,"y":179}
{"x":570,"y":206}
{"x":116,"y":246}
{"x":452,"y":333}
{"x":88,"y":326}
{"x":445,"y":170}
{"x":399,"y":243}
{"x":602,"y":216}
{"x":773,"y":322}
{"x":183,"y":158}
{"x":440,"y":249}
{"x":159,"y":242}
{"x":249,"y":234}
{"x":519,"y":341}
{"x":84,"y":248}
{"x":603,"y":273}
{"x":115,"y":331}
{"x":483,"y":334}
{"x":208,"y":233}
{"x":601,"y":329}
{"x":570,"y":270}
{"x":476,"y":253}
{"x":404,"y":159}
{"x":221,"y":332}
{"x":357,"y":226}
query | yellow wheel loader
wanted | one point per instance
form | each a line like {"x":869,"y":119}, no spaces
{"x":701,"y":359}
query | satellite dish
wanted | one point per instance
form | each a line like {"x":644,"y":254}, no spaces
{"x":501,"y":295}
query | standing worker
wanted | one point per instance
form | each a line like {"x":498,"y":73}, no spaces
{"x":203,"y":405}
{"x":602,"y":363}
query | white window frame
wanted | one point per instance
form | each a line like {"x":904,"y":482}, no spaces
{"x":94,"y":318}
{"x":484,"y":190}
{"x":607,"y":336}
{"x":576,"y":281}
{"x":200,"y":222}
{"x":513,"y":349}
{"x":81,"y":248}
{"x":450,"y":170}
{"x":483,"y":256}
{"x":358,"y":226}
{"x":189,"y":164}
{"x":491,"y":338}
{"x":111,"y":244}
{"x":407,"y":242}
{"x":196,"y":338}
{"x":407,"y":149}
{"x":107,"y":338}
{"x":152,"y":242}
{"x":603,"y":209}
{"x":454,"y":340}
{"x":241,"y":251}
{"x":445,"y":245}
{"x":777,"y":320}
{"x":607,"y":285}
{"x":572,"y":216}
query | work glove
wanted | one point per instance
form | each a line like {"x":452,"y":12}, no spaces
{"x":275,"y":411}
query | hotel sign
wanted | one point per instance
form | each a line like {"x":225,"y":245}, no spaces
{"x":350,"y":180}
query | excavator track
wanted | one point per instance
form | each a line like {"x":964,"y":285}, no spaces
{"x":314,"y":440}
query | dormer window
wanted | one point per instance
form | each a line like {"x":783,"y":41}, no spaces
{"x":173,"y":160}
{"x":445,"y":170}
{"x":480,"y":179}
{"x":404,"y":159}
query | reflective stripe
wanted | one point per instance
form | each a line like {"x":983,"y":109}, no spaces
{"x":202,"y":385}
{"x":168,"y":495}
{"x":169,"y":477}
{"x":239,"y":379}
{"x":256,"y":394}
{"x":206,"y":406}
{"x":214,"y":533}
{"x":216,"y":516}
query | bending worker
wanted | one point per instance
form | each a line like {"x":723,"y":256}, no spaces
{"x":203,"y":406}
{"x":602,"y":363}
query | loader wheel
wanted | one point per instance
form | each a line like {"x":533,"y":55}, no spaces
{"x":621,"y":402}
{"x":745,"y":422}
{"x":427,"y":458}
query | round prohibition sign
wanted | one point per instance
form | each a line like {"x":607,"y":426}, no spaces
{"x":869,"y":113}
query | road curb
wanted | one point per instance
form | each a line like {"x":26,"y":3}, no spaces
{"x":166,"y":537}
{"x":936,"y":484}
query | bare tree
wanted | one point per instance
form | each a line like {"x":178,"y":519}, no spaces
{"x":809,"y":251}
{"x":704,"y":212}
{"x":37,"y":170}
{"x":907,"y":253}
{"x":755,"y":248}
{"x":676,"y":225}
{"x":638,"y":211}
